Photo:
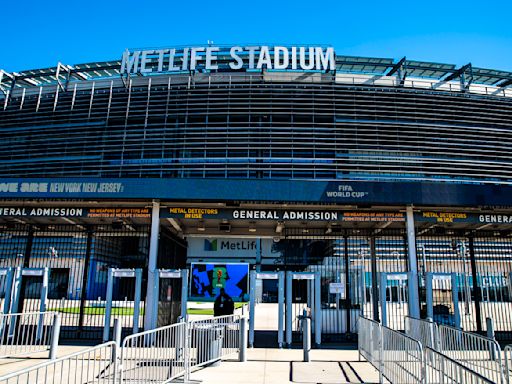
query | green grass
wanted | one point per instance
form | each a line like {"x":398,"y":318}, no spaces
{"x":208,"y":311}
{"x":116,"y":311}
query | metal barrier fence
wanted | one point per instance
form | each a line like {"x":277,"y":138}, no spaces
{"x":369,"y":336}
{"x":440,"y":368}
{"x":25,"y":333}
{"x":214,"y":338}
{"x":479,"y":353}
{"x":93,"y":365}
{"x":156,"y":356}
{"x":402,"y":357}
{"x":507,"y":355}
{"x":422,"y":330}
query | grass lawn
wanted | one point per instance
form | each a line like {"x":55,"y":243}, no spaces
{"x":208,"y":311}
{"x":116,"y":311}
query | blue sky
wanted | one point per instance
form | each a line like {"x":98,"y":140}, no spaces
{"x":38,"y":34}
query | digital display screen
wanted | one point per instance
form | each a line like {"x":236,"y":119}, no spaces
{"x":207,"y":280}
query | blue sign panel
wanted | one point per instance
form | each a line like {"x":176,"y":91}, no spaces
{"x":342,"y":192}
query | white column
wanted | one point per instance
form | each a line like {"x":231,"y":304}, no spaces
{"x":414,"y":300}
{"x":151,"y":310}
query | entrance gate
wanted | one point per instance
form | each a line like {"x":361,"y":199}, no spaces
{"x":17,"y":294}
{"x":279,"y":276}
{"x":313,"y":300}
{"x":443,"y":279}
{"x":124,"y":311}
{"x":164,"y":288}
{"x":394,"y":292}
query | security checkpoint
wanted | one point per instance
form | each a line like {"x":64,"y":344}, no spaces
{"x":114,"y":273}
{"x":393,"y":292}
{"x":280,"y":277}
{"x":167,"y":276}
{"x":313,"y":300}
{"x":448,"y":281}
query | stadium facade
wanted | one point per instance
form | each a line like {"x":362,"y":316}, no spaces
{"x":381,"y":176}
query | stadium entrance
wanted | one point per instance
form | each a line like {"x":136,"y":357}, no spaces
{"x":362,"y":258}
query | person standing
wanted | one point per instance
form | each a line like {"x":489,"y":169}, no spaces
{"x":223,"y":304}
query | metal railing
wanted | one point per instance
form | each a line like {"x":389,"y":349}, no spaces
{"x":440,"y":368}
{"x":212,"y":339}
{"x":25,"y":333}
{"x":156,"y":356}
{"x":369,"y":336}
{"x":422,"y":330}
{"x":507,"y":356}
{"x":402,"y":357}
{"x":93,"y":365}
{"x":476,"y":352}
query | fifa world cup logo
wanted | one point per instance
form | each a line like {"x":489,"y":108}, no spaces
{"x":219,"y":276}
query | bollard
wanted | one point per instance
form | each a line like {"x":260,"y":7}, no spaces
{"x":54,"y":342}
{"x":490,"y":335}
{"x":306,"y":337}
{"x":117,"y":336}
{"x":242,"y":355}
{"x":433,"y":335}
{"x":305,"y":322}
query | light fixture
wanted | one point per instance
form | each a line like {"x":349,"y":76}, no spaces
{"x":279,"y":227}
{"x":252,"y":227}
{"x":201,"y":227}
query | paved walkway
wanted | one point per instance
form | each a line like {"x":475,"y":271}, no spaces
{"x":278,"y":366}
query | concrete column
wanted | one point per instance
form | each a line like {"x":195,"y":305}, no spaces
{"x":150,"y":316}
{"x":414,"y":297}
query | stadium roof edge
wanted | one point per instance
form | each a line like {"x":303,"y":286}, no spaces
{"x":376,"y":66}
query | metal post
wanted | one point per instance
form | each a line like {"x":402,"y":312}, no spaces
{"x":433,"y":334}
{"x":85,"y":280}
{"x":18,"y":277}
{"x":242,"y":355}
{"x":150,"y":317}
{"x":184,"y":293}
{"x":375,"y":289}
{"x":155,"y":302}
{"x":455,"y":299}
{"x":383,"y":298}
{"x":280,"y":305}
{"x":54,"y":342}
{"x":429,"y":294}
{"x":306,"y":334}
{"x":252,"y":306}
{"x":136,"y":304}
{"x":414,"y":297}
{"x":491,"y":335}
{"x":108,"y":304}
{"x":42,"y":304}
{"x":318,"y":308}
{"x":9,"y":279}
{"x":288,"y":308}
{"x":476,"y":289}
{"x":118,"y":330}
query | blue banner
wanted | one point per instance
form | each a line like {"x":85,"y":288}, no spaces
{"x":306,"y":191}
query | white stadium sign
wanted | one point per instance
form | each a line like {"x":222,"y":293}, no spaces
{"x":253,"y":57}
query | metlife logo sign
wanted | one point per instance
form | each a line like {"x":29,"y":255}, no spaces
{"x":223,"y":247}
{"x":210,"y":245}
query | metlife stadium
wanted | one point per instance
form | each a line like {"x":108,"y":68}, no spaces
{"x":381,"y":187}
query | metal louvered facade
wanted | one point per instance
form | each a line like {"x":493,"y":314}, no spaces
{"x":255,"y":126}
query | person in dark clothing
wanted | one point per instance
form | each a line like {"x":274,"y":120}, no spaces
{"x":223,"y":304}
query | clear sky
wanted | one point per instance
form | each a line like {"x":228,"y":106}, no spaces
{"x":39,"y":33}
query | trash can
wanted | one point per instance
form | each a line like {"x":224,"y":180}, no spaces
{"x":208,"y":343}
